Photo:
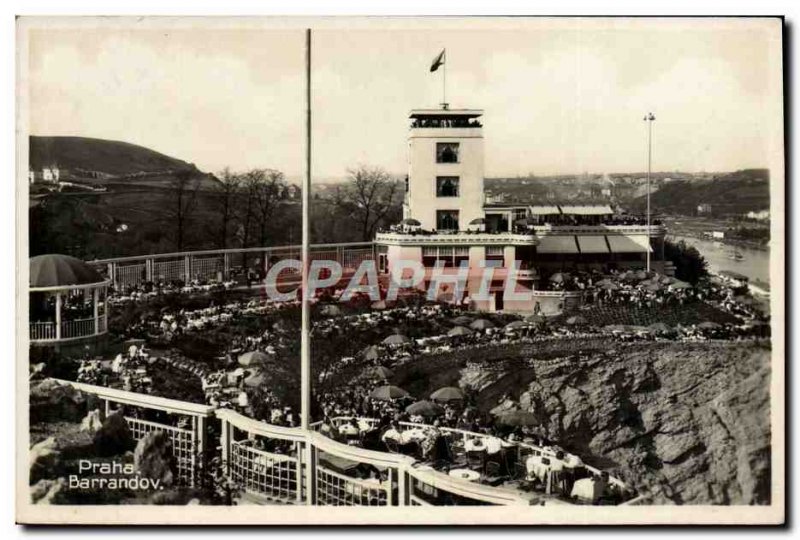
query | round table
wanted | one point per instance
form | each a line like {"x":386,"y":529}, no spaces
{"x":348,"y":429}
{"x":471,"y":446}
{"x":412,"y":435}
{"x":465,"y":474}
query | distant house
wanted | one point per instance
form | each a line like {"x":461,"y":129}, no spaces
{"x":703,"y":209}
{"x":761,"y":215}
{"x":48,"y":175}
{"x":292,"y":192}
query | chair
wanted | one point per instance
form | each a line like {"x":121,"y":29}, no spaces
{"x":520,"y":470}
{"x":441,"y":465}
{"x":494,"y":475}
{"x":475,"y":460}
{"x":392,"y":446}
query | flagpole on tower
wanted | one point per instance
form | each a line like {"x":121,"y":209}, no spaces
{"x":439,"y":61}
{"x":444,"y":81}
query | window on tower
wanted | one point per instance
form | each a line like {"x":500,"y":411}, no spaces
{"x":447,"y":152}
{"x":447,"y":220}
{"x":447,"y":186}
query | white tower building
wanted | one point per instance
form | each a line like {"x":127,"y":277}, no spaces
{"x":445,"y":164}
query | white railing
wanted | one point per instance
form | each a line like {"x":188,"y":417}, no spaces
{"x":188,"y":443}
{"x":207,"y":264}
{"x":70,"y":330}
{"x":308,"y":469}
{"x":654,"y":230}
{"x":305,"y":467}
{"x":42,"y":331}
{"x":77,"y":328}
{"x":457,"y":238}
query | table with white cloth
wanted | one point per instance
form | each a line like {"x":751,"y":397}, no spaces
{"x":465,"y":474}
{"x":365,"y":425}
{"x":588,"y":489}
{"x":537,"y":467}
{"x":348,"y":429}
{"x":473,"y":445}
{"x":405,"y":437}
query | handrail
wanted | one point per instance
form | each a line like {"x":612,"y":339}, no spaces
{"x":142,"y":400}
{"x":177,"y":254}
{"x":472,"y":434}
{"x":258,"y":427}
{"x":470,"y":490}
{"x":97,"y":285}
{"x":356,"y":453}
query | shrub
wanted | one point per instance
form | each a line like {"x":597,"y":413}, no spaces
{"x":690,"y":265}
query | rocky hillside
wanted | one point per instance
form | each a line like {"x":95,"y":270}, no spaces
{"x":690,"y":423}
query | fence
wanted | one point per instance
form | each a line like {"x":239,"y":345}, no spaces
{"x":291,"y":465}
{"x":188,"y":443}
{"x":222,"y":263}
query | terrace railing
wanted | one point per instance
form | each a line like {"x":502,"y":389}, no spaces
{"x":221,"y":263}
{"x":40,"y":331}
{"x":291,"y":465}
{"x":310,"y":470}
{"x":188,"y":442}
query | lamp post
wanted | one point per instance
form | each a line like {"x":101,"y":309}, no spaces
{"x":649,"y":118}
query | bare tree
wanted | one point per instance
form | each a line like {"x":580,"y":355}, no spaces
{"x":225,"y":196}
{"x":268,"y":191}
{"x":370,"y":197}
{"x":183,"y":194}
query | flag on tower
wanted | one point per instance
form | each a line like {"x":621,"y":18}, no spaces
{"x":438,"y":61}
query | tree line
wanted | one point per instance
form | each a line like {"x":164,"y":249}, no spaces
{"x":238,"y":209}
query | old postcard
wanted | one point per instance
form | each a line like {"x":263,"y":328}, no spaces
{"x":400,"y":271}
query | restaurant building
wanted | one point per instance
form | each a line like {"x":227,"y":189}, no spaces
{"x":447,"y":220}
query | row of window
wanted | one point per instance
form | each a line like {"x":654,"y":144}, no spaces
{"x":453,"y":256}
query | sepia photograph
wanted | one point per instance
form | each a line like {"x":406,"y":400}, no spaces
{"x":530,"y":266}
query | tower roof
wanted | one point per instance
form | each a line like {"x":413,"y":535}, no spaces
{"x":464,"y":113}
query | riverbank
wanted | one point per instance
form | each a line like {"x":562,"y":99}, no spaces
{"x":698,"y":227}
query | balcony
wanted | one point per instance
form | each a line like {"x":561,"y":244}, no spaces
{"x":48,"y":331}
{"x":455,"y":238}
{"x":654,"y":230}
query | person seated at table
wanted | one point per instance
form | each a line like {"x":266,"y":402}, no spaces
{"x":431,"y":444}
{"x":393,"y":432}
{"x":328,"y":429}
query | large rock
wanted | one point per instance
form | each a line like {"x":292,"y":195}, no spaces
{"x":153,"y":458}
{"x":51,"y":401}
{"x":92,"y":422}
{"x":690,"y":422}
{"x":44,"y":459}
{"x":114,"y":436}
{"x":48,"y":491}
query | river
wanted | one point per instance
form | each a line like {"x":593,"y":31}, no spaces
{"x":754,"y":265}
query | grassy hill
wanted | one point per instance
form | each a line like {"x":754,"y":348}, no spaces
{"x":135,"y":214}
{"x":732,"y":193}
{"x":114,"y":158}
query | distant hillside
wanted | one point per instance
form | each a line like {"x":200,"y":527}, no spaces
{"x":110,"y":157}
{"x":732,"y":193}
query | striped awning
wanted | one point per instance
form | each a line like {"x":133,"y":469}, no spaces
{"x":587,"y":210}
{"x":544,"y":210}
{"x":557,"y":244}
{"x":593,"y":244}
{"x":634,"y":243}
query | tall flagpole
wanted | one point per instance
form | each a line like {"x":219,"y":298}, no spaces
{"x":305,"y":350}
{"x":649,"y":118}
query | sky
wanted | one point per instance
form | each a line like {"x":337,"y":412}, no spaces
{"x":560,"y":96}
